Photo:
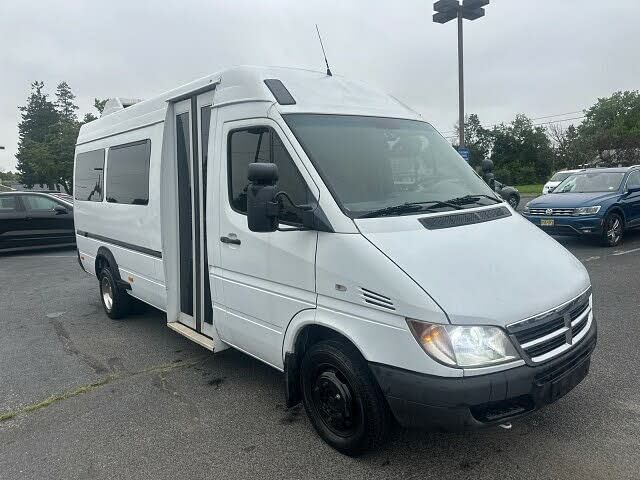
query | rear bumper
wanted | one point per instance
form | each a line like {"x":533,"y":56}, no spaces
{"x":574,"y":226}
{"x":442,"y":403}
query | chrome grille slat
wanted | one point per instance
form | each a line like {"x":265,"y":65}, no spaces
{"x":558,"y":212}
{"x":551,"y":333}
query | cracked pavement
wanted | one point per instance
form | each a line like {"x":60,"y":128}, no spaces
{"x":91,"y":397}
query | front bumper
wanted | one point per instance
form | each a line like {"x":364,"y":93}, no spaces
{"x":564,"y":225}
{"x":442,"y":403}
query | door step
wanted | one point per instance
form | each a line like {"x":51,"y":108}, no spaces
{"x":192,"y":335}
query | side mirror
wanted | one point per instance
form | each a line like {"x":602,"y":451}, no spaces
{"x":60,"y":210}
{"x":550,"y":189}
{"x":262,"y":208}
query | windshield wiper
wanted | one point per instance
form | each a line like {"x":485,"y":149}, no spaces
{"x":474,"y":198}
{"x":409,"y":207}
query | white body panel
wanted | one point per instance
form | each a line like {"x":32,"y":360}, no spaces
{"x":271,"y":286}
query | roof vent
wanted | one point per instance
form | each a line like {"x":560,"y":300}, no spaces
{"x":373,"y":298}
{"x":116,"y":104}
{"x":277,"y":88}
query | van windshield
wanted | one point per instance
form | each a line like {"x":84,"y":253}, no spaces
{"x":375,"y":163}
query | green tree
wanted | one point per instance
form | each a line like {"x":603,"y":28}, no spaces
{"x":37,"y":117}
{"x":521,"y":152}
{"x":64,"y":103}
{"x":477,"y":139}
{"x":611,"y":128}
{"x":48,"y":133}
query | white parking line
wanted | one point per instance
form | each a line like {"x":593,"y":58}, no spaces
{"x":624,"y":252}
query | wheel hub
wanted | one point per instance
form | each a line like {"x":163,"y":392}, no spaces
{"x":615,"y":229}
{"x":107,"y":293}
{"x":333,"y":400}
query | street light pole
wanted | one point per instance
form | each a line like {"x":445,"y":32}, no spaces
{"x":447,"y":10}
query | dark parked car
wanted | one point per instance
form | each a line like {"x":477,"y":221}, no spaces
{"x":601,"y":202}
{"x":33,"y":219}
{"x":510,"y":194}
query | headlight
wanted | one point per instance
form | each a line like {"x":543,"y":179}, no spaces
{"x":526,"y":208}
{"x":463,"y":346}
{"x":587,"y":210}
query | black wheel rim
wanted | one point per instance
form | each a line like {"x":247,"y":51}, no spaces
{"x":614,"y":229}
{"x":333,"y":399}
{"x":513,"y":202}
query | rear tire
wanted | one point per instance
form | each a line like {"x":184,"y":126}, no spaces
{"x":612,"y":230}
{"x":342,"y":398}
{"x":115,"y":300}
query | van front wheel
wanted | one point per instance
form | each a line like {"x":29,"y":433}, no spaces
{"x":342,"y":399}
{"x":115,"y":301}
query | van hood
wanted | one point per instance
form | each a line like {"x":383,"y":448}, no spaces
{"x":571,"y":200}
{"x":491,"y":273}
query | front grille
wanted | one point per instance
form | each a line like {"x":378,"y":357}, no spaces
{"x":558,"y":212}
{"x":549,"y":334}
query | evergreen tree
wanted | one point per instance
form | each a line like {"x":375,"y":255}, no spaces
{"x":37,"y":117}
{"x":64,"y":103}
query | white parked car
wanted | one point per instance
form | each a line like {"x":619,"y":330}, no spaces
{"x":555,"y":180}
{"x":329,"y":231}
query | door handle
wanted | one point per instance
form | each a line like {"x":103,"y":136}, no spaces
{"x":232,"y":241}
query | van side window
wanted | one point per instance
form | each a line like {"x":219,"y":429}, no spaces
{"x":89,"y":178}
{"x":128,"y":173}
{"x":262,"y":144}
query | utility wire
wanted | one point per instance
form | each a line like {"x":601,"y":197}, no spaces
{"x":449,"y":137}
{"x":536,"y":118}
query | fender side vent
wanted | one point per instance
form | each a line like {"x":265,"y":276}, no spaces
{"x":373,"y":298}
{"x":466,"y":218}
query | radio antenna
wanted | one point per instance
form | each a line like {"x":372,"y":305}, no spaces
{"x":323,"y":52}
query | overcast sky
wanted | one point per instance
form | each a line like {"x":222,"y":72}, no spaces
{"x":541,"y":57}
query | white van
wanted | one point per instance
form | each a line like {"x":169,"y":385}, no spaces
{"x":327,"y":230}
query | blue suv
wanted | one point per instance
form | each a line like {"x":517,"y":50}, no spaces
{"x":602,"y":202}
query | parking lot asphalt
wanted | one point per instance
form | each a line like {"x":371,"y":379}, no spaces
{"x":83,"y":396}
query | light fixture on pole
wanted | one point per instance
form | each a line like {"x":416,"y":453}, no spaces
{"x":447,"y":10}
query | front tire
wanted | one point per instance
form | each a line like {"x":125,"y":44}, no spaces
{"x":342,"y":398}
{"x":115,"y":300}
{"x":612,"y":230}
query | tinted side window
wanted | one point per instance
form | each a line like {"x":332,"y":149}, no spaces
{"x":634,"y":180}
{"x":8,"y":204}
{"x":128,"y":173}
{"x":262,"y":144}
{"x":89,"y":176}
{"x":39,"y":202}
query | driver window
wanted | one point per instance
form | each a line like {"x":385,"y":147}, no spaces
{"x":262,"y":144}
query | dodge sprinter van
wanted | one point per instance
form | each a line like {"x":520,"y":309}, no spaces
{"x":327,"y":230}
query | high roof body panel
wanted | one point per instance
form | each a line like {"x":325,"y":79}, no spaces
{"x":314,"y":92}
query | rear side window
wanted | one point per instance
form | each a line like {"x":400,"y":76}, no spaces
{"x":8,"y":204}
{"x":128,"y":173}
{"x":89,"y":178}
{"x":634,"y":180}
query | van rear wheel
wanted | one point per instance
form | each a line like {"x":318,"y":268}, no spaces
{"x":342,"y":399}
{"x":115,"y":300}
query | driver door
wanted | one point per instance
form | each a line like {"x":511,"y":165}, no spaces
{"x":267,"y":278}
